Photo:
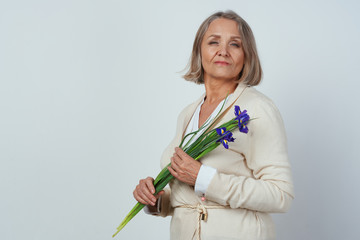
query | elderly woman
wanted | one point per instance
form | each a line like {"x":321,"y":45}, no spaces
{"x":229,"y":193}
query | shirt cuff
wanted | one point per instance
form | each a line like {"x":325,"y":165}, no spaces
{"x":157,"y":212}
{"x":203,"y":179}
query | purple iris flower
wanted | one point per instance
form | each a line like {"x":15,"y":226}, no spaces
{"x":243,"y":119}
{"x":226,"y":137}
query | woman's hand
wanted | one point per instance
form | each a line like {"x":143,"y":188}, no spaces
{"x":183,"y":167}
{"x":144,"y":192}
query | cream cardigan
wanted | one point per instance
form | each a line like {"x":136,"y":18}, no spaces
{"x":253,"y":177}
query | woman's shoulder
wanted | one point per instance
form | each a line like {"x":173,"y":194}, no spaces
{"x":255,"y":98}
{"x":257,"y":103}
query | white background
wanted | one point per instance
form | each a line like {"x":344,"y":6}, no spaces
{"x":90,"y":92}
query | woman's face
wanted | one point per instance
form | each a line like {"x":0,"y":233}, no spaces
{"x":222,"y":55}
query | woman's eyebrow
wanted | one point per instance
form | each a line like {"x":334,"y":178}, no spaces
{"x":218,"y":36}
{"x":214,"y":36}
{"x":236,"y":37}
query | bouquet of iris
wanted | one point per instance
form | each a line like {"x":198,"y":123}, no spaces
{"x":205,"y":143}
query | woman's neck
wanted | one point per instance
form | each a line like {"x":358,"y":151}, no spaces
{"x":216,"y":91}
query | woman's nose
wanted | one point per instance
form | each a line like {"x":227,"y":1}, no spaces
{"x":223,"y":51}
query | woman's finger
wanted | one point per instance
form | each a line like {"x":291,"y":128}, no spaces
{"x":138,"y":198}
{"x":175,"y":166}
{"x":173,"y":172}
{"x":181,"y":153}
{"x":146,"y":198}
{"x":146,"y":194}
{"x":177,"y":158}
{"x":150,"y":184}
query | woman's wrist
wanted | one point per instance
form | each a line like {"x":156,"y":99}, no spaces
{"x":154,"y":210}
{"x":203,"y":179}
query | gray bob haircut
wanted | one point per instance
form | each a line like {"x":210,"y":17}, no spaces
{"x":251,"y":72}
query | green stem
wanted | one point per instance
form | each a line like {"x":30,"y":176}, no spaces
{"x":163,"y":172}
{"x":128,"y":217}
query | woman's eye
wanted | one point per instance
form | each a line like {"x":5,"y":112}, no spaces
{"x":235,"y":44}
{"x":213,"y":42}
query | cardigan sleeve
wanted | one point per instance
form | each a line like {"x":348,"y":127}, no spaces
{"x":165,"y":205}
{"x":270,"y":188}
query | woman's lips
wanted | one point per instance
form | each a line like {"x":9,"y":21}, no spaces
{"x":223,"y":63}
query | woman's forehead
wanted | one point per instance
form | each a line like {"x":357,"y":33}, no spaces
{"x":223,"y":26}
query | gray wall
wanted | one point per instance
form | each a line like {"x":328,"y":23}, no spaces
{"x":90,"y":92}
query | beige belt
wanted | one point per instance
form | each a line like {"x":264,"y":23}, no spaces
{"x":202,"y":210}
